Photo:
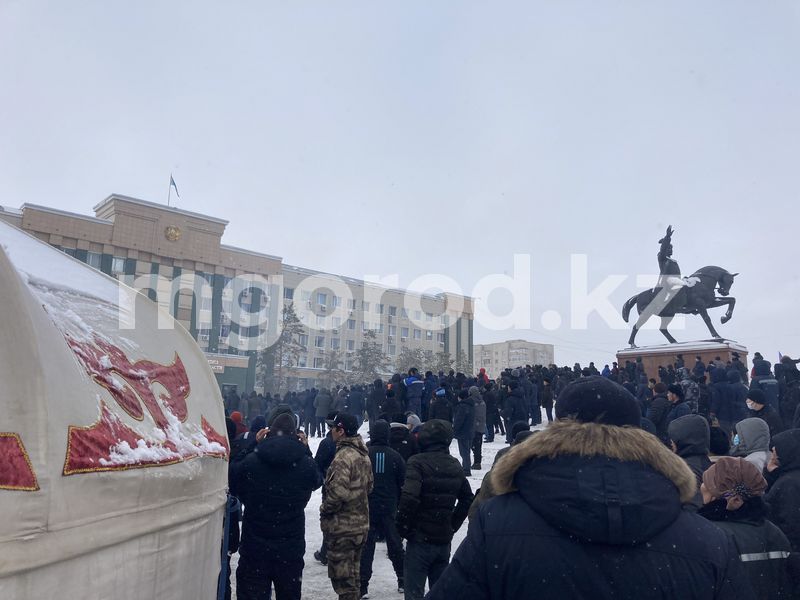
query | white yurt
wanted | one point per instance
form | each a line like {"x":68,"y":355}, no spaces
{"x":113,"y":448}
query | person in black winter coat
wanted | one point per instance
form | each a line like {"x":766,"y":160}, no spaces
{"x":434,"y":502}
{"x":591,"y":507}
{"x":757,"y":406}
{"x":514,"y":407}
{"x":547,"y":398}
{"x":389,"y":473}
{"x":732,"y":493}
{"x":658,"y":413}
{"x":402,"y":440}
{"x":324,"y":457}
{"x":464,"y":428}
{"x":783,"y":496}
{"x":492,"y":411}
{"x":690,"y":439}
{"x":357,"y":403}
{"x":729,"y":406}
{"x":274,"y":483}
{"x":377,"y":396}
{"x":439,"y":407}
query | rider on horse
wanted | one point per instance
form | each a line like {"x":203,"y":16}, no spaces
{"x":670,"y":279}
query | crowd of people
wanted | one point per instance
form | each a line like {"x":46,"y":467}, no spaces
{"x":684,"y":486}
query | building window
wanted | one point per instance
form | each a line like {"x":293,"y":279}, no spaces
{"x":351,"y":324}
{"x":303,"y":339}
{"x":318,"y":362}
{"x":117,"y":264}
{"x":364,"y":326}
{"x":380,"y":327}
{"x":319,"y":341}
{"x":392,"y":330}
{"x":404,"y":313}
{"x":428,"y":317}
{"x":351,"y":304}
{"x":440,"y":338}
{"x":203,"y":335}
{"x":379,"y":309}
{"x":93,"y":259}
{"x":336,"y":322}
{"x":364,"y":306}
{"x":393,"y":311}
{"x":404,"y":333}
{"x":288,"y":293}
{"x":302,"y":360}
{"x":351,"y":345}
{"x":305,"y":296}
{"x":417,"y":315}
{"x":428,"y":335}
{"x":336,"y":343}
{"x":205,"y":303}
{"x":320,"y":321}
{"x":417,"y":334}
{"x":444,"y":320}
{"x":322,"y":299}
{"x":392,"y":350}
{"x":348,"y":364}
{"x":337,"y":301}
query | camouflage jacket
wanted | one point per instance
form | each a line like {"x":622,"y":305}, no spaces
{"x":345,"y":509}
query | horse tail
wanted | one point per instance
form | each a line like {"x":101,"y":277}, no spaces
{"x":626,"y":309}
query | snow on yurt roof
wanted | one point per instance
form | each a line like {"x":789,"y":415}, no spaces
{"x":112,"y":433}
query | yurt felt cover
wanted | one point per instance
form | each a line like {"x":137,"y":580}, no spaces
{"x":113,"y":448}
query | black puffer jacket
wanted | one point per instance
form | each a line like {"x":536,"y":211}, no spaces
{"x":377,"y":396}
{"x":658,"y":414}
{"x":275,"y":483}
{"x":436,"y":496}
{"x":402,"y":441}
{"x":514,"y":406}
{"x":592,"y":511}
{"x":388,"y":471}
{"x":783,"y":497}
{"x":764,"y":550}
{"x":692,"y":436}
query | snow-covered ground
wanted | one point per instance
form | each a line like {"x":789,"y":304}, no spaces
{"x":383,"y":584}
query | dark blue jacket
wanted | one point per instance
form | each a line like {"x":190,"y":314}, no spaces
{"x":414,"y":388}
{"x":728,"y":404}
{"x":388,"y":471}
{"x":464,"y":419}
{"x":589,"y":528}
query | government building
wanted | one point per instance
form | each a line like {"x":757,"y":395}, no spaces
{"x":231,"y":299}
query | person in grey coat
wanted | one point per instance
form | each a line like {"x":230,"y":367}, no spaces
{"x":322,"y":406}
{"x":480,"y":425}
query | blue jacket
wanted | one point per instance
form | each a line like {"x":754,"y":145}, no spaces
{"x":414,"y":388}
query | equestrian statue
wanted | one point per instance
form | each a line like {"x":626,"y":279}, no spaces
{"x":674,"y":294}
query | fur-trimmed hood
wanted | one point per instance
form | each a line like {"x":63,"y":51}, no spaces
{"x":600,"y":483}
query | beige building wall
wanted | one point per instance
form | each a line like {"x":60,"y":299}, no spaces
{"x":512,"y":353}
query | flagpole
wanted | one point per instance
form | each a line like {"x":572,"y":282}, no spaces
{"x":169,"y":192}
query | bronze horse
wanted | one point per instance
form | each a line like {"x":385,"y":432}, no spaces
{"x":693,"y":299}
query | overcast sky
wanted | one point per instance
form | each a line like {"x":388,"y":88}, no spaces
{"x":435,"y":137}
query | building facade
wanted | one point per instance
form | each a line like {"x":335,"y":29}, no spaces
{"x":230,"y":299}
{"x":511,"y":353}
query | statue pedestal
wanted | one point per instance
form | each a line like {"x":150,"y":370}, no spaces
{"x":666,"y":354}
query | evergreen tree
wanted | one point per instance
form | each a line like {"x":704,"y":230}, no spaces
{"x":285,"y":352}
{"x":463,"y":364}
{"x":443,"y":361}
{"x":370,"y":360}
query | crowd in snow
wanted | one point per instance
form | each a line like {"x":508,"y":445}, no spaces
{"x":683,"y":487}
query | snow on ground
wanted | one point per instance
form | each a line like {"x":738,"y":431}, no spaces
{"x":383,"y":584}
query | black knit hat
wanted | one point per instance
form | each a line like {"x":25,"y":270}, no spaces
{"x":757,"y":396}
{"x":676,"y":389}
{"x":596,"y":399}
